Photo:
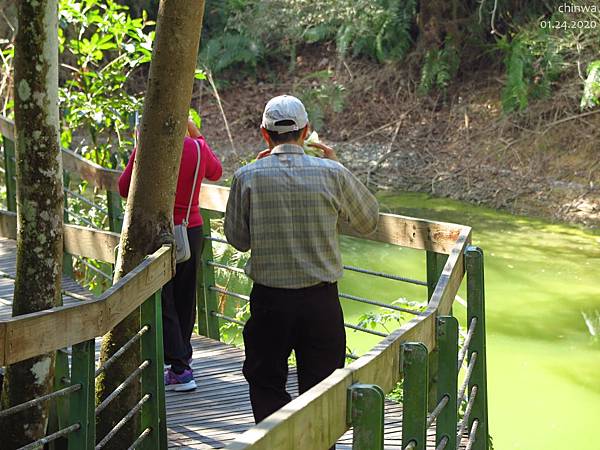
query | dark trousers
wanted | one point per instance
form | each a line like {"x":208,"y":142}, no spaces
{"x":309,"y":321}
{"x":179,"y":307}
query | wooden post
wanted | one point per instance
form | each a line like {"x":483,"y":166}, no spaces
{"x":208,"y":325}
{"x":365,"y":414}
{"x":447,"y":338}
{"x":153,"y":411}
{"x":435,"y":266}
{"x":414,"y":414}
{"x":10,"y":174}
{"x":82,"y":407}
{"x":476,"y":309}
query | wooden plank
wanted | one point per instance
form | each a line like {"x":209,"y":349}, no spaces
{"x":101,"y":177}
{"x":7,"y":128}
{"x":95,"y":244}
{"x":8,"y":224}
{"x":452,"y":276}
{"x":301,"y":423}
{"x":36,"y":333}
{"x":81,"y":241}
{"x":381,"y":365}
{"x":394,"y":229}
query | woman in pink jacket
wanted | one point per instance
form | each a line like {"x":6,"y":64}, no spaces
{"x":179,"y":294}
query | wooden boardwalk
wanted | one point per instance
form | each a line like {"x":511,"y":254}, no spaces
{"x":219,"y":409}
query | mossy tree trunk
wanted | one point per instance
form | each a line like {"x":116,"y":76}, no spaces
{"x":39,"y":208}
{"x":149,"y":212}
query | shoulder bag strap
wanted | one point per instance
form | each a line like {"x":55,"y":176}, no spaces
{"x":187,"y":217}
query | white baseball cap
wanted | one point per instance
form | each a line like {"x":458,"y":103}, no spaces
{"x":284,"y":108}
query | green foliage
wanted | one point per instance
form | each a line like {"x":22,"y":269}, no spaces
{"x":7,"y":54}
{"x":231,"y":50}
{"x":101,"y":47}
{"x":533,"y":62}
{"x":321,"y":95}
{"x":591,"y":87}
{"x":439,"y":68}
{"x":378,"y":29}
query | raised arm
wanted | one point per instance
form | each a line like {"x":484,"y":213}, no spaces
{"x":359,"y":206}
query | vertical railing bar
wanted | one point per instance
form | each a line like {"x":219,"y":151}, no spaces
{"x":476,"y":310}
{"x":447,"y":343}
{"x":415,"y":391}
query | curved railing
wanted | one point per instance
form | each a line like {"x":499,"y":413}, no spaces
{"x":423,"y":353}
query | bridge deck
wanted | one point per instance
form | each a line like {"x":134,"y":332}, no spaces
{"x":219,"y":410}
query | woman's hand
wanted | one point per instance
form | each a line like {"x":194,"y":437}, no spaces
{"x":192,"y":129}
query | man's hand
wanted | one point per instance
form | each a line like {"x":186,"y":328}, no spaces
{"x":328,"y":152}
{"x":263,"y":153}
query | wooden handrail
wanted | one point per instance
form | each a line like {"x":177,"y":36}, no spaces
{"x":95,"y":174}
{"x":80,"y":241}
{"x":33,"y":334}
{"x":394,"y":229}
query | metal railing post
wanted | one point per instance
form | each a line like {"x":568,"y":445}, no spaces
{"x":82,"y":402}
{"x":435,"y":265}
{"x":447,"y":339}
{"x":10,"y":174}
{"x":153,"y":412}
{"x":415,"y":388}
{"x":365,"y":415}
{"x":476,"y":309}
{"x":208,"y":324}
{"x":115,"y":211}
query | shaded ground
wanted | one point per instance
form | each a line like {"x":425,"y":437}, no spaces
{"x":544,"y":161}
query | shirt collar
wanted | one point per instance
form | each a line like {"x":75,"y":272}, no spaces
{"x":287,"y":148}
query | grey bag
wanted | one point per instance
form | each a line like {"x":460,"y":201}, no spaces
{"x":182,"y":244}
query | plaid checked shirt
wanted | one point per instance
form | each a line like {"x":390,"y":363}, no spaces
{"x":286,"y":208}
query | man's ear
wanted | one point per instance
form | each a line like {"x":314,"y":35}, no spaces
{"x":266,"y":137}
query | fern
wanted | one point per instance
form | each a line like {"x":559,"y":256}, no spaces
{"x":591,"y":86}
{"x":533,"y":62}
{"x":515,"y":92}
{"x":439,"y":68}
{"x":230,"y":50}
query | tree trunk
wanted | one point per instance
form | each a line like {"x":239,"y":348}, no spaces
{"x":39,"y":208}
{"x":149,"y":213}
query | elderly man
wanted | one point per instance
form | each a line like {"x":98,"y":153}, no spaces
{"x":285,"y":208}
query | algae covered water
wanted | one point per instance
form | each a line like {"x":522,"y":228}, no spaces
{"x":542,"y":283}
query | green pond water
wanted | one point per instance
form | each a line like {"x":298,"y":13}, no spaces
{"x":543,"y":363}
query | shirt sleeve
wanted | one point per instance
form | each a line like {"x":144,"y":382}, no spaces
{"x":214,"y":170}
{"x":359,"y":207}
{"x":237,"y":225}
{"x":125,"y":178}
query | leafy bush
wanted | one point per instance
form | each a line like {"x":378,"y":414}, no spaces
{"x":101,"y":47}
{"x":591,"y":87}
{"x":378,"y":29}
{"x":439,"y":68}
{"x":321,"y":95}
{"x":230,"y":50}
{"x":533,"y":62}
